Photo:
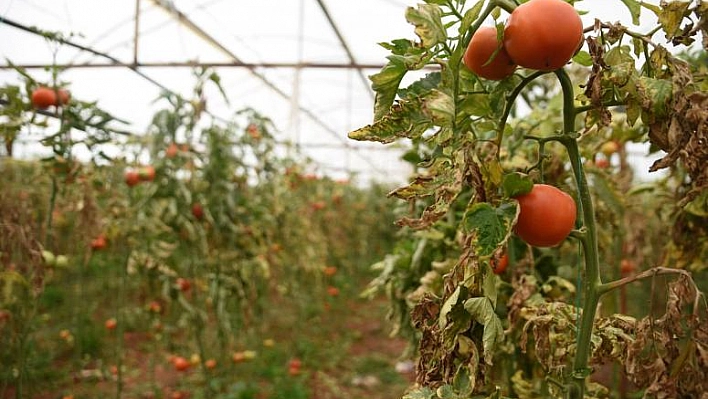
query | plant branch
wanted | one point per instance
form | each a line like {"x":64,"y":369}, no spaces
{"x":589,"y":242}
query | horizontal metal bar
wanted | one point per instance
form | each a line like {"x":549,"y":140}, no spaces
{"x":189,"y":64}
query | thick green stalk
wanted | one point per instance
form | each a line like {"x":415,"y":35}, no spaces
{"x":592,"y":281}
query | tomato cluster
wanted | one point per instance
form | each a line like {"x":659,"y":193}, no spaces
{"x":44,"y":97}
{"x":539,"y":34}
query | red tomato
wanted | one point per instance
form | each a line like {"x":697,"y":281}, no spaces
{"x":543,"y":34}
{"x":499,"y":266}
{"x":180,"y":363}
{"x":98,"y":243}
{"x":183,"y":284}
{"x":547,"y":216}
{"x":481,"y":48}
{"x":332,"y":291}
{"x":132,"y":178}
{"x":627,"y":267}
{"x":602,"y":163}
{"x":63,"y":97}
{"x":43,"y":97}
{"x":210,"y":364}
{"x":171,"y":150}
{"x":198,"y":211}
{"x":111,"y":323}
{"x":147,"y":173}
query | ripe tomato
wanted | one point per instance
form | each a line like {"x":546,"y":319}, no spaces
{"x":210,"y":364}
{"x":498,"y":266}
{"x":111,"y":323}
{"x":171,"y":150}
{"x":547,"y":216}
{"x":332,"y":291}
{"x":43,"y":97}
{"x":295,"y":363}
{"x":610,"y":147}
{"x":602,"y":163}
{"x":132,"y":178}
{"x":147,"y":173}
{"x":238,"y":357}
{"x":543,"y":34}
{"x":180,"y":363}
{"x":63,"y":97}
{"x":627,"y":267}
{"x":481,"y":48}
{"x":183,"y":284}
{"x":197,"y":211}
{"x":98,"y":243}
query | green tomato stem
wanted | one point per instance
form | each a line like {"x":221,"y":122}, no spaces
{"x":592,"y":282}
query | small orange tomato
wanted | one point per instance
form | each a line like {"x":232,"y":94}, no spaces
{"x":43,"y":97}
{"x":238,"y":357}
{"x":330,"y":271}
{"x":183,"y":284}
{"x":171,"y":150}
{"x":98,"y":243}
{"x":627,"y":266}
{"x":198,"y":211}
{"x":132,"y":178}
{"x":147,"y":173}
{"x":180,"y":363}
{"x":111,"y":323}
{"x":478,"y":56}
{"x":210,"y":364}
{"x":499,"y":266}
{"x":332,"y":291}
{"x":63,"y":97}
{"x":602,"y":163}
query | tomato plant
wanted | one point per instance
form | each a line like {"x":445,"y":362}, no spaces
{"x":486,"y":57}
{"x":502,"y":164}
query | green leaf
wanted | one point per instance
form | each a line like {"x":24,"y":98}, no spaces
{"x":515,"y":184}
{"x":470,"y":16}
{"x":476,"y":104}
{"x":405,"y":119}
{"x":448,"y":307}
{"x":482,"y":312}
{"x":492,"y":225}
{"x":420,"y":393}
{"x":583,"y":58}
{"x":634,"y":8}
{"x":427,"y":19}
{"x":385,"y":84}
{"x":439,"y":107}
{"x":699,"y":205}
{"x":421,"y":86}
{"x":671,"y":16}
{"x":654,"y":96}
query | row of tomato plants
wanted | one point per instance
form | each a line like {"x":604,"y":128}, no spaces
{"x":194,"y":246}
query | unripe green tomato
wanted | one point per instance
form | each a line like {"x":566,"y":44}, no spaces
{"x":49,"y":258}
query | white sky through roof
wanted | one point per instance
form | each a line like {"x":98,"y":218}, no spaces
{"x":256,"y":31}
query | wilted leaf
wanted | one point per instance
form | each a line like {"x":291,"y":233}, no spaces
{"x":427,"y":19}
{"x":404,"y":119}
{"x":482,"y":311}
